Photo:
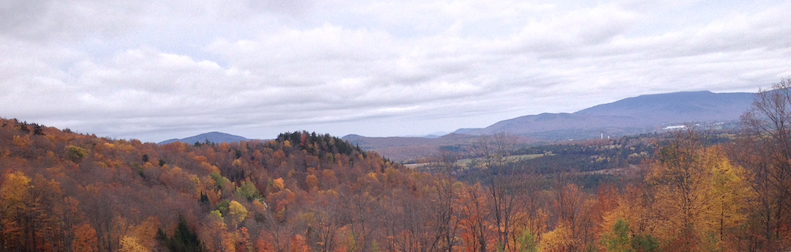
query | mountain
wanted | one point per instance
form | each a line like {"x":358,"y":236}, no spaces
{"x":635,"y":115}
{"x":676,"y":107}
{"x":214,"y":137}
{"x":645,"y":113}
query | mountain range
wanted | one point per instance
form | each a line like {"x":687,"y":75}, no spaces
{"x":635,"y":115}
{"x":645,"y":113}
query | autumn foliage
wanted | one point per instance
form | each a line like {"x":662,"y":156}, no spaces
{"x":62,"y":191}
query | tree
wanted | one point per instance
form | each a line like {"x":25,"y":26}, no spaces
{"x":248,"y":191}
{"x":644,"y":243}
{"x":243,"y":242}
{"x":474,"y":213}
{"x":558,"y":240}
{"x":75,"y":154}
{"x":84,"y":239}
{"x":503,"y":184}
{"x":445,"y":220}
{"x":237,"y":212}
{"x":132,"y":244}
{"x":767,"y":150}
{"x":730,"y":195}
{"x":183,"y":239}
{"x":699,"y":196}
{"x":328,"y":216}
{"x":678,"y":180}
{"x":14,"y":196}
{"x":527,"y":242}
{"x":619,"y":239}
{"x":216,"y":237}
{"x":573,"y":209}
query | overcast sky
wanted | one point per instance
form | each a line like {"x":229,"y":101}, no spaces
{"x":154,"y":70}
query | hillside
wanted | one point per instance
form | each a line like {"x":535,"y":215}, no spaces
{"x":63,"y":191}
{"x":212,"y":137}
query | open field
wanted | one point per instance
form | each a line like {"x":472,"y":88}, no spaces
{"x":464,"y":163}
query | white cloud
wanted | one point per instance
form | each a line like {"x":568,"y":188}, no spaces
{"x":156,"y":70}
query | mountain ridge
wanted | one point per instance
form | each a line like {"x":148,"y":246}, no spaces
{"x":634,"y":115}
{"x":214,"y":137}
{"x":629,"y":115}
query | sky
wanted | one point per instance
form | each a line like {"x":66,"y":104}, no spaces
{"x":155,"y":70}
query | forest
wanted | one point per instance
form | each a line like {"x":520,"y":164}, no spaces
{"x":64,"y":191}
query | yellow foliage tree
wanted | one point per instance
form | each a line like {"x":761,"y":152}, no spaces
{"x":14,"y":194}
{"x":15,"y":188}
{"x":145,"y":233}
{"x":558,"y":240}
{"x":698,"y":194}
{"x":237,"y":212}
{"x":729,"y":194}
{"x":132,"y":244}
{"x":287,"y":144}
{"x":678,"y":180}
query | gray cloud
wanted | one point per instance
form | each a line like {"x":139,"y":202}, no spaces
{"x":156,"y":70}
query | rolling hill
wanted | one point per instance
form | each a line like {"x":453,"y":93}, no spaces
{"x":214,"y":137}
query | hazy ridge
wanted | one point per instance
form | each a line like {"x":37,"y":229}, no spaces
{"x":214,"y":137}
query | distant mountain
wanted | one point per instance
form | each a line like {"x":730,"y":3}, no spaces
{"x":437,"y":134}
{"x":645,"y":113}
{"x":676,"y":107}
{"x":641,"y":114}
{"x":214,"y":137}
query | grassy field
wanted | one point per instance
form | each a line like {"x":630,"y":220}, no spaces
{"x":464,"y":163}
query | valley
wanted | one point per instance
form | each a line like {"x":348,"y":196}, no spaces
{"x":305,"y":191}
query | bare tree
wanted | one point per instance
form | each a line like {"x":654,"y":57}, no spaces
{"x":493,"y":150}
{"x":768,"y":154}
{"x":446,"y":216}
{"x":329,"y":215}
{"x":502,"y":183}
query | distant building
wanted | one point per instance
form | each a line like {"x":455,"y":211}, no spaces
{"x":675,"y":127}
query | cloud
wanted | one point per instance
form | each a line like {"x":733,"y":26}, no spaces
{"x":154,"y":69}
{"x":49,"y":21}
